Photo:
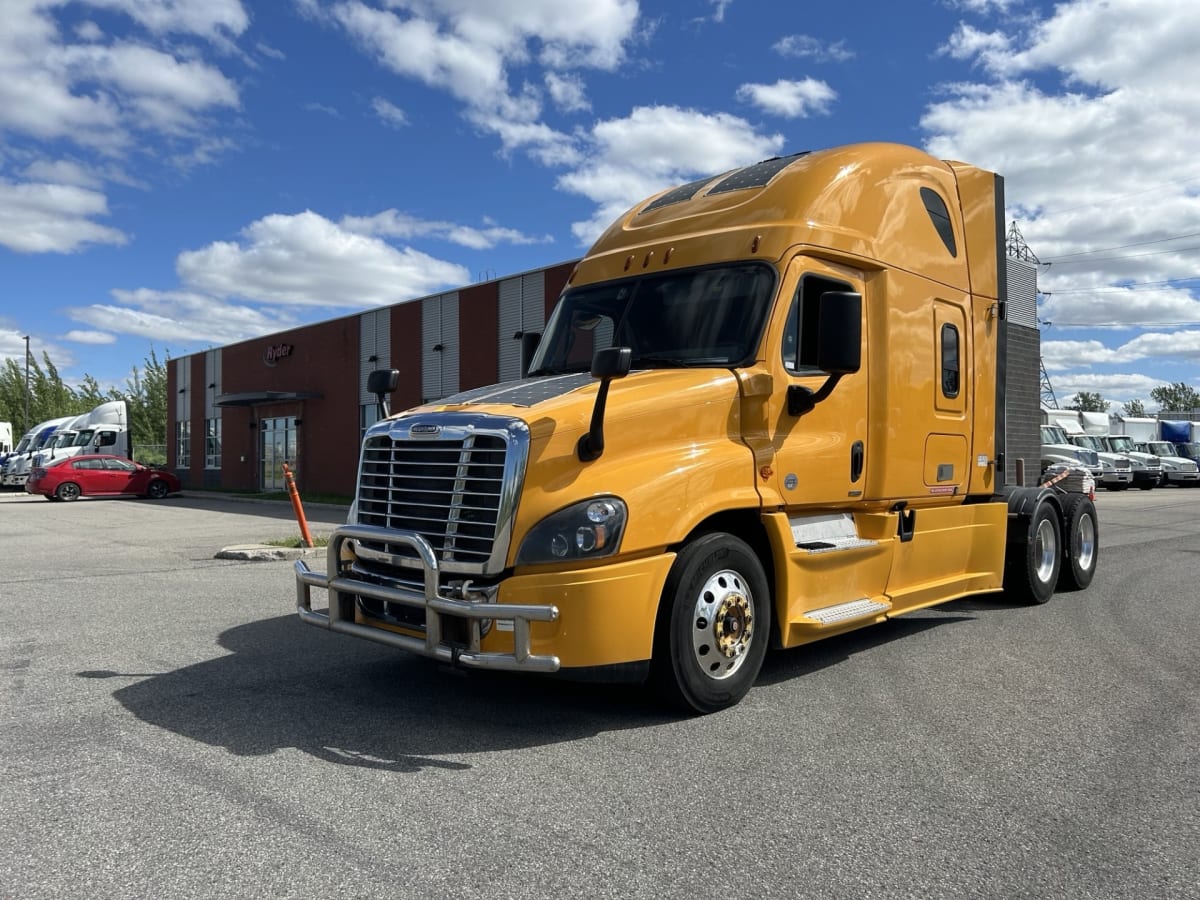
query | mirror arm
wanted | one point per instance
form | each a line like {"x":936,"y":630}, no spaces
{"x":591,"y":444}
{"x":801,"y":400}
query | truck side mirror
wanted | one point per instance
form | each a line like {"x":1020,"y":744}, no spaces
{"x":839,"y":347}
{"x":607,"y":364}
{"x":839,"y":329}
{"x":382,"y":382}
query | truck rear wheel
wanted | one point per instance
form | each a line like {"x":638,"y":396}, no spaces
{"x":713,"y":626}
{"x":1031,"y":570}
{"x":1081,"y":542}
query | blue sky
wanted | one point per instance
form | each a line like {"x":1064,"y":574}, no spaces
{"x":180,"y":174}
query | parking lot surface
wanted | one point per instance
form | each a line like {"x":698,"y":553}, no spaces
{"x":168,"y":728}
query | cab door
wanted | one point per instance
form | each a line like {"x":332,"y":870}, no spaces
{"x":821,"y":456}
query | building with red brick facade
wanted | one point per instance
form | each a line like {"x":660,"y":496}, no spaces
{"x":235,"y":414}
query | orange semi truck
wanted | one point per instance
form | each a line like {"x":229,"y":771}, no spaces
{"x":768,"y":408}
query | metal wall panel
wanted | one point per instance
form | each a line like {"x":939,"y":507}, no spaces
{"x":375,"y":340}
{"x":1022,"y":293}
{"x":510,"y":315}
{"x":212,"y":381}
{"x":439,"y":346}
{"x":183,"y":387}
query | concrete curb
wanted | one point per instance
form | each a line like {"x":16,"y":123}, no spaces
{"x":267,"y":552}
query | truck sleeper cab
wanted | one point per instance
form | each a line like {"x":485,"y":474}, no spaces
{"x":764,"y":411}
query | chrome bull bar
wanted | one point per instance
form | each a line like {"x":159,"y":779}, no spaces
{"x":435,"y":605}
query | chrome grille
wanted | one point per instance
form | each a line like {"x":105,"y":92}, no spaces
{"x":456,"y":488}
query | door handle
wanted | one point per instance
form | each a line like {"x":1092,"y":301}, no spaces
{"x":856,"y":461}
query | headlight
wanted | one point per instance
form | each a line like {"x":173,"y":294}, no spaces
{"x":589,"y":529}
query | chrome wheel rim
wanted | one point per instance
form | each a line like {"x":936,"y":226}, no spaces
{"x":1045,"y":550}
{"x":1087,"y":543}
{"x":722,"y":625}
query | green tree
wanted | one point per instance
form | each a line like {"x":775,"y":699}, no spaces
{"x":1177,"y":397}
{"x":49,"y":396}
{"x":1134,"y":409}
{"x":147,"y":397}
{"x":1086,"y":401}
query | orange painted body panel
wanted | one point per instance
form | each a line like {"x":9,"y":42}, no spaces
{"x":685,"y":445}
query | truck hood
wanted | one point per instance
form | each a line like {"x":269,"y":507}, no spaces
{"x":562,"y":404}
{"x":673,"y":445}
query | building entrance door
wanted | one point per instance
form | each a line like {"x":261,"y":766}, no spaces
{"x":278,"y":437}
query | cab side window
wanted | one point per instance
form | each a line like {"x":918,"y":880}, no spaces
{"x":800,"y":331}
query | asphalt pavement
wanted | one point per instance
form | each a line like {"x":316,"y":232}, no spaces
{"x":169,"y":729}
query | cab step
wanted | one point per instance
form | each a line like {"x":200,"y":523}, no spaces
{"x":827,"y":533}
{"x":846,"y":612}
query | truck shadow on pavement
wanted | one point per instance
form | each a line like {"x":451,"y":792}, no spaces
{"x":283,"y":684}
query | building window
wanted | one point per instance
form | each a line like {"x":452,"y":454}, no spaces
{"x":183,"y":440}
{"x":369,"y":415}
{"x":212,"y":443}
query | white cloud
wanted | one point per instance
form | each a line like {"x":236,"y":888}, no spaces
{"x":1083,"y":111}
{"x":468,"y":48}
{"x":395,"y":224}
{"x":1116,"y":387}
{"x":389,"y":113}
{"x":40,"y":218}
{"x":993,"y":49}
{"x":72,"y":85}
{"x":306,"y":260}
{"x":654,"y":148}
{"x":804,"y":46}
{"x":213,"y":19}
{"x":789,"y":99}
{"x":567,"y":92}
{"x":90,"y":337}
{"x":181,"y":317}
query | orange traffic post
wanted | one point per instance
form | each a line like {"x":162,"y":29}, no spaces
{"x":290,"y":481}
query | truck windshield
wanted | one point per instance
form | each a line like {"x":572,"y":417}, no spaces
{"x":1092,"y":443}
{"x":85,"y":437}
{"x":696,"y":317}
{"x":1052,"y":434}
{"x":1161,"y":448}
{"x":1190,"y":450}
{"x":1121,"y":444}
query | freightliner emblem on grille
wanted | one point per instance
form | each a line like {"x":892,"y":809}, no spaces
{"x":425,"y":430}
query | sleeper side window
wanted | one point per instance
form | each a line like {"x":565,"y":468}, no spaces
{"x":949,"y":360}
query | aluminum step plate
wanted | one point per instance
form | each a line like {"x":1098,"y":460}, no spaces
{"x":844,"y":612}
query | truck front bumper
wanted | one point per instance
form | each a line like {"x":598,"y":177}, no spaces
{"x":591,"y":618}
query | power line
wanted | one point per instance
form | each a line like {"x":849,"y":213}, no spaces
{"x":1178,"y":237}
{"x":1120,"y":289}
{"x":1072,"y":262}
{"x":1122,"y":324}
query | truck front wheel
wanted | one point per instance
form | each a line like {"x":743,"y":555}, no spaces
{"x":1031,"y":570}
{"x":713,"y":626}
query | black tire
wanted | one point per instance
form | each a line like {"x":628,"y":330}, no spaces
{"x":1081,"y":543}
{"x":157,"y":489}
{"x":1031,"y":570}
{"x":1148,"y":485}
{"x":714,"y":624}
{"x":67,"y":491}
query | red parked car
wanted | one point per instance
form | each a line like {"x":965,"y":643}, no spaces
{"x":99,"y":475}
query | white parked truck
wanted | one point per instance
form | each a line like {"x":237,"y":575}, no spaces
{"x":16,"y":468}
{"x":1116,"y":468}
